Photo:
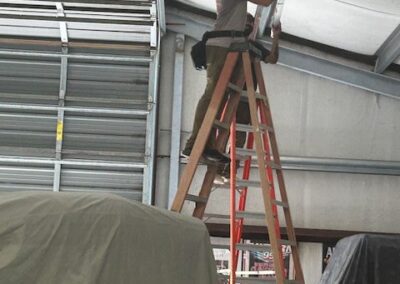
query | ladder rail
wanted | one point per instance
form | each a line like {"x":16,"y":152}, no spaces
{"x":243,"y":194}
{"x":282,"y":188}
{"x":204,"y":131}
{"x":276,"y":251}
{"x":221,"y":142}
{"x":269,"y":170}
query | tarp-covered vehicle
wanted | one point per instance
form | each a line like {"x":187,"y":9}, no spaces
{"x":364,"y":259}
{"x":71,"y":238}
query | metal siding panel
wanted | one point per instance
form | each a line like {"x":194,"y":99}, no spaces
{"x":104,"y":121}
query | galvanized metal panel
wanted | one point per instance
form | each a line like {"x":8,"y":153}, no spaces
{"x":93,"y":136}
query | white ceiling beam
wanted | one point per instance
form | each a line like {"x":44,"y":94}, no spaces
{"x":389,"y":51}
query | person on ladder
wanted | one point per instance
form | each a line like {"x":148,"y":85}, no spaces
{"x":243,"y":112}
{"x":231,"y":16}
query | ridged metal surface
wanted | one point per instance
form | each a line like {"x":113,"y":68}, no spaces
{"x":107,"y":114}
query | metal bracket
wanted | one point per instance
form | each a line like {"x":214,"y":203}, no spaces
{"x":154,"y":27}
{"x":150,"y":103}
{"x":60,"y":10}
{"x":61,"y":99}
{"x":64,"y":33}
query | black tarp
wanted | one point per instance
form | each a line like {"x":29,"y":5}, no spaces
{"x":364,"y":259}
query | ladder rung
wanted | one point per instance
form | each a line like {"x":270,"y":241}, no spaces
{"x":243,"y":93}
{"x":247,"y":183}
{"x":246,"y":152}
{"x":239,"y":214}
{"x":280,"y":203}
{"x":195,"y":198}
{"x":250,"y":215}
{"x":218,"y":216}
{"x":240,"y":183}
{"x":242,"y":127}
{"x":250,"y":280}
{"x":245,"y":247}
{"x":287,"y":243}
{"x":235,"y":88}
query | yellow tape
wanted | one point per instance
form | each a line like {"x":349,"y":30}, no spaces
{"x":60,"y":131}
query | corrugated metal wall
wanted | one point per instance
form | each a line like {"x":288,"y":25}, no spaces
{"x":78,"y":84}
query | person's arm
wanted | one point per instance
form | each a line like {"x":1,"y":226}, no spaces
{"x":272,"y":58}
{"x":262,"y":2}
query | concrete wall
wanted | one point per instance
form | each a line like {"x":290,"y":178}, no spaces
{"x":314,"y":117}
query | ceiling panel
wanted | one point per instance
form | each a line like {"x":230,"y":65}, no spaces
{"x":338,"y":24}
{"x":359,"y":26}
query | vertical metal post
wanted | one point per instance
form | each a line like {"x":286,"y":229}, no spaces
{"x":161,"y":16}
{"x":148,"y":174}
{"x":61,"y":98}
{"x":176,"y":118}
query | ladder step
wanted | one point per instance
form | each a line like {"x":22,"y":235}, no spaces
{"x":241,"y":183}
{"x":280,"y":203}
{"x":235,"y":88}
{"x":287,"y":243}
{"x":244,"y":154}
{"x":242,"y":127}
{"x":217,"y":216}
{"x":250,"y":280}
{"x":244,"y":247}
{"x":247,"y":183}
{"x":239,"y":214}
{"x":195,"y":198}
{"x":250,"y":215}
{"x":243,"y":93}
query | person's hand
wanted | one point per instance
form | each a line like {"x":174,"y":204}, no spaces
{"x":276,"y":30}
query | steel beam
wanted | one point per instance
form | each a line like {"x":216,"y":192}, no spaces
{"x":389,"y":51}
{"x":161,"y":16}
{"x":332,"y":165}
{"x":176,"y":118}
{"x":316,"y":66}
{"x":151,"y":127}
{"x":186,"y":23}
{"x":341,"y":165}
{"x":194,"y":26}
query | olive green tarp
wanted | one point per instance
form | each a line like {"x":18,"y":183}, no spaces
{"x":71,"y":238}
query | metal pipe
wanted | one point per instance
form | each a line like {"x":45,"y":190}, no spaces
{"x":43,"y":161}
{"x":73,"y":109}
{"x":117,"y":58}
